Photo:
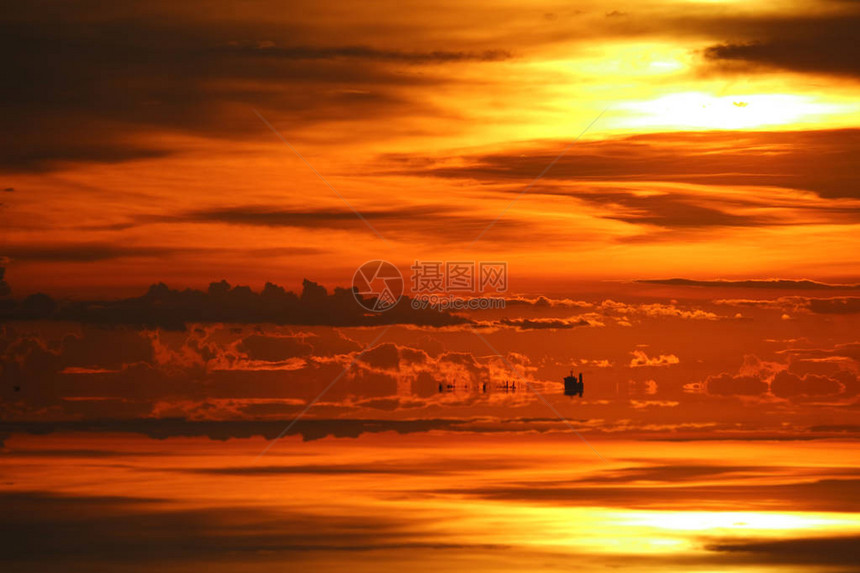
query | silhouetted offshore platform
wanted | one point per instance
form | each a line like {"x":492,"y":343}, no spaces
{"x":573,"y":385}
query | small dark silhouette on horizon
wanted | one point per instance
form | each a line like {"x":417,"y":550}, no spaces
{"x":573,"y":385}
{"x":509,"y":387}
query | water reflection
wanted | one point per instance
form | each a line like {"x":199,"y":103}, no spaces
{"x":500,"y":502}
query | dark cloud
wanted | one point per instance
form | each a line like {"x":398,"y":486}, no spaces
{"x":90,"y":85}
{"x":786,"y":385}
{"x":41,"y":530}
{"x":672,"y":211}
{"x":85,"y":252}
{"x":385,"y":356}
{"x":214,"y":372}
{"x":103,"y":251}
{"x":264,"y":216}
{"x":544,"y":302}
{"x":105,"y":348}
{"x":843,"y":305}
{"x":833,"y":305}
{"x":273,"y":348}
{"x":5,"y":290}
{"x":824,"y":551}
{"x":847,"y":350}
{"x":749,"y":158}
{"x":84,"y":85}
{"x":750,"y":383}
{"x":172,"y":309}
{"x":800,"y":304}
{"x":850,"y":429}
{"x":543,"y":323}
{"x":441,"y":223}
{"x":269,"y":50}
{"x":672,"y":473}
{"x":787,"y":284}
{"x":820,"y":495}
{"x":430,"y":467}
{"x":803,"y":43}
{"x":308,"y":429}
{"x":757,"y":378}
{"x":79,"y":453}
{"x":87,"y":87}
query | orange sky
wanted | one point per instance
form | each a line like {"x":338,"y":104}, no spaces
{"x":136,"y":155}
{"x":673,"y":187}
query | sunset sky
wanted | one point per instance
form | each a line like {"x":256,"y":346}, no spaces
{"x":726,"y":146}
{"x":672,"y":186}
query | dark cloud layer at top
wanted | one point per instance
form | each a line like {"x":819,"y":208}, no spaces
{"x":82,"y":83}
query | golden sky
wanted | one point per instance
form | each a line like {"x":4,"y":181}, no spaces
{"x":673,"y":186}
{"x":698,"y":139}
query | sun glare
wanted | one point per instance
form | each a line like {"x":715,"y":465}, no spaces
{"x":696,"y":110}
{"x":761,"y":521}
